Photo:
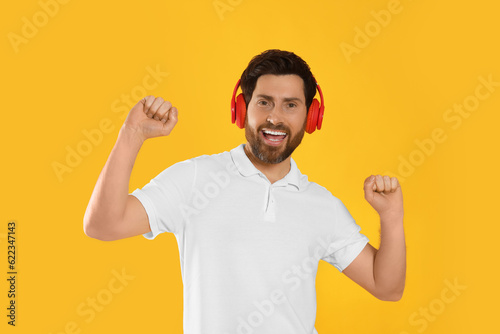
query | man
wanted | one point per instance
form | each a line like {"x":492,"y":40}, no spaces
{"x":250,"y":227}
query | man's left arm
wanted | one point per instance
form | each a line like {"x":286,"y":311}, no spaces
{"x":382,"y":272}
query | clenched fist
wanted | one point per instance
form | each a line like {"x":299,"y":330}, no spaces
{"x":151,"y":117}
{"x":384,"y":195}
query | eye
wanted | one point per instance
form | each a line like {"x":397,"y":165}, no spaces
{"x":291,"y":105}
{"x":262,"y":102}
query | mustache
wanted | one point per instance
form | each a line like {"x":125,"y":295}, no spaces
{"x":271,"y":126}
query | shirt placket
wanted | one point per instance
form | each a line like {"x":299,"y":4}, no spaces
{"x":270,"y":201}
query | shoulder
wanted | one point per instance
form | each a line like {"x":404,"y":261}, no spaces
{"x":192,"y":169}
{"x":212,"y":162}
{"x":212,"y":158}
{"x":323,"y":197}
{"x":318,"y":190}
{"x":205,"y":166}
{"x":204,"y":160}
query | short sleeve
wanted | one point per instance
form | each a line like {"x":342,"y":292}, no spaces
{"x":164,"y":197}
{"x":347,"y":241}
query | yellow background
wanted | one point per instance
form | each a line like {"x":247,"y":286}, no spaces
{"x":394,"y":91}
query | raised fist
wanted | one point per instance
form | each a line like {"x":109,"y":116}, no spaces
{"x":151,"y":117}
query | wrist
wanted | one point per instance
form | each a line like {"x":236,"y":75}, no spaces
{"x":131,"y":136}
{"x":391,"y":218}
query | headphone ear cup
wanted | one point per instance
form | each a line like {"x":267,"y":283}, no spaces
{"x":241,"y":111}
{"x":320,"y":117}
{"x":312,"y":116}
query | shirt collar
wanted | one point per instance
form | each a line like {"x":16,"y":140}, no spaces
{"x":247,"y":168}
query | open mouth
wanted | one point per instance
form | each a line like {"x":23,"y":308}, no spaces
{"x":273,"y":137}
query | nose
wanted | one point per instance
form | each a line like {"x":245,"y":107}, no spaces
{"x":275,"y":115}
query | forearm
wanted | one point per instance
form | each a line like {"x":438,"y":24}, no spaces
{"x":390,"y":260}
{"x":108,"y":200}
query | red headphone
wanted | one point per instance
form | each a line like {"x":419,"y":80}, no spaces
{"x":314,"y":116}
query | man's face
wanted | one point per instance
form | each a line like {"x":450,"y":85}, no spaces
{"x":276,"y":117}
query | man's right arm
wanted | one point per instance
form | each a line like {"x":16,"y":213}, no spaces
{"x":112,"y":213}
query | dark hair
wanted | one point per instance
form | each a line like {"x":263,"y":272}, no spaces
{"x":277,"y":62}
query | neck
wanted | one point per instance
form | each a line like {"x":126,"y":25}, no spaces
{"x":273,"y":172}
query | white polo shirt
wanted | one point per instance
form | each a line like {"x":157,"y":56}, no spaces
{"x":249,"y":249}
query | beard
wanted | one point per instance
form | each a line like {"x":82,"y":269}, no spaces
{"x":272,"y":154}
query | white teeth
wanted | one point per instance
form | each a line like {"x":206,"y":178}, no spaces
{"x":276,"y":133}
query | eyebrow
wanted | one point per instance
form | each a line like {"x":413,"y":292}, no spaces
{"x":287,"y":99}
